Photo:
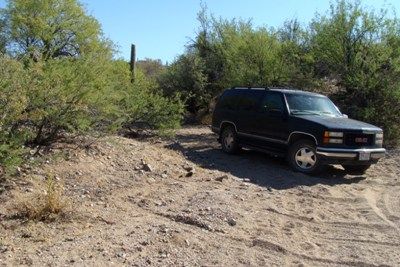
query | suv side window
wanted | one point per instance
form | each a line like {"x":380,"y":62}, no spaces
{"x":250,"y":100}
{"x":273,"y":102}
{"x":228,"y":101}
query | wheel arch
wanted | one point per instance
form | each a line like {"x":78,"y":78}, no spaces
{"x":297,"y":136}
{"x":226,"y":124}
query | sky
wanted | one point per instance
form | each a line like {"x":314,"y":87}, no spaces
{"x":160,"y":29}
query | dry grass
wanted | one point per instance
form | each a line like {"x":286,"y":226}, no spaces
{"x":206,"y":119}
{"x":45,"y":206}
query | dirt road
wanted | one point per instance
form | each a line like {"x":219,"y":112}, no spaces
{"x":185,"y":203}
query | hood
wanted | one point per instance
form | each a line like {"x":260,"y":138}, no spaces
{"x":340,"y":123}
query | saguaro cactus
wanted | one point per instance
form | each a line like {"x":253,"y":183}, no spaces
{"x":133,"y":61}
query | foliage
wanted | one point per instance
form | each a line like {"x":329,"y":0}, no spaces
{"x":186,"y":76}
{"x":51,"y":29}
{"x":151,"y":68}
{"x":58,"y":77}
{"x":2,"y":35}
{"x":235,"y":53}
{"x":145,"y":107}
{"x":13,"y":102}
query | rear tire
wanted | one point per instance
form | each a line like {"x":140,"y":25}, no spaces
{"x":229,"y":140}
{"x":356,"y":169}
{"x":303,"y":157}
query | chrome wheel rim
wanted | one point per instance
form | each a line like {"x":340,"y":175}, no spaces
{"x":229,"y":140}
{"x":305,"y":158}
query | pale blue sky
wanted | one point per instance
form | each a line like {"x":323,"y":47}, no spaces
{"x":161,"y":28}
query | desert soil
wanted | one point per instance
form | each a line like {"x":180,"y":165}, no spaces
{"x":183,"y":202}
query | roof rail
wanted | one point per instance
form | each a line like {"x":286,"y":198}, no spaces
{"x":250,"y":87}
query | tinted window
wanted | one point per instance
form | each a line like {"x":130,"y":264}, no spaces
{"x":236,"y":99}
{"x":273,"y":102}
{"x":229,"y":100}
{"x":249,"y":100}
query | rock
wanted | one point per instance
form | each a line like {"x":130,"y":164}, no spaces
{"x":121,"y":255}
{"x":147,"y":167}
{"x":246,"y":180}
{"x":222,"y":178}
{"x":232,"y":222}
{"x":3,"y":249}
{"x":163,"y":254}
{"x":26,"y":235}
{"x":190,"y":174}
{"x":164,"y":175}
{"x":144,"y":243}
{"x":188,"y":168}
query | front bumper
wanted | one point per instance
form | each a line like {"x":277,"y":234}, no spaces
{"x":338,"y":155}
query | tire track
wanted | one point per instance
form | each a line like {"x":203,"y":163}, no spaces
{"x":372,"y":197}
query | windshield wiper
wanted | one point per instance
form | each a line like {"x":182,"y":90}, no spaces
{"x":304,"y":112}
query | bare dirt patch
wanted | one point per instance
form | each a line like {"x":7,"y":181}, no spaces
{"x":184,"y":202}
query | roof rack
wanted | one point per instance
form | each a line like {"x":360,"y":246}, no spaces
{"x":250,"y":87}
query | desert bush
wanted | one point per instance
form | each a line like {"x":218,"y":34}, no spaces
{"x":13,"y":102}
{"x":145,"y":107}
{"x":44,"y":206}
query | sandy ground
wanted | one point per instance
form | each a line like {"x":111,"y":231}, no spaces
{"x":185,"y":203}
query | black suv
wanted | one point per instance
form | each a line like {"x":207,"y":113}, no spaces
{"x":305,"y":127}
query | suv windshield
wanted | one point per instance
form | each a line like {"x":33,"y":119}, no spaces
{"x":311,"y":105}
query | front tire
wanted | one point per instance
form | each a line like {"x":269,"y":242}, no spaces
{"x":229,"y":140}
{"x":303,"y":157}
{"x":356,"y":169}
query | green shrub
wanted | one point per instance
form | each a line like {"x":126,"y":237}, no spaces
{"x":145,"y":107}
{"x":13,"y":103}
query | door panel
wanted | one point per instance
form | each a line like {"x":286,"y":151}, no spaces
{"x":271,"y":120}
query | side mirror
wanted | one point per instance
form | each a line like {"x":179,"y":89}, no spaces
{"x":345,"y":116}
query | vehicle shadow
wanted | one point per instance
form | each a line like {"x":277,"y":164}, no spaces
{"x":203,"y":149}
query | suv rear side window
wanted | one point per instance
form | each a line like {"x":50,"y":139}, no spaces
{"x":273,"y":102}
{"x":249,"y":100}
{"x":228,"y":101}
{"x":236,"y":99}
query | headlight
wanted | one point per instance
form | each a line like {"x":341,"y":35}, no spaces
{"x":333,"y":137}
{"x":333,"y":134}
{"x":333,"y":141}
{"x":379,"y":139}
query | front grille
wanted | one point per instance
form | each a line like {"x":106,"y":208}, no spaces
{"x":359,"y":140}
